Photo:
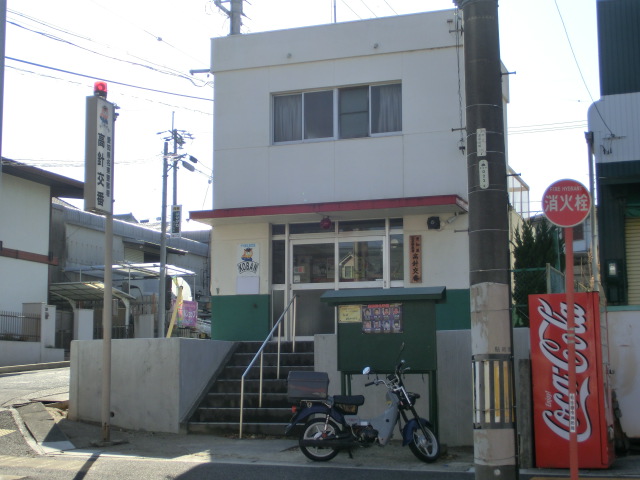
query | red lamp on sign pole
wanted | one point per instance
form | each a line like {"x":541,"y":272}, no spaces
{"x":100,"y":89}
{"x":567,"y":203}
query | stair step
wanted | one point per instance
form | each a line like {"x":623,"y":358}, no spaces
{"x":263,"y":415}
{"x":253,"y":347}
{"x":234,"y":372}
{"x":219,"y":410}
{"x":250,"y":386}
{"x":251,"y":400}
{"x":248,"y":428}
{"x":271,"y":359}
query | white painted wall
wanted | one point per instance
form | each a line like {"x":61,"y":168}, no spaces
{"x":83,"y":324}
{"x":21,"y":199}
{"x":621,"y":113}
{"x":624,"y":355}
{"x":28,"y":353}
{"x":224,"y":258}
{"x":417,"y":50}
{"x":445,"y":259}
{"x":29,"y":201}
{"x":155,"y":381}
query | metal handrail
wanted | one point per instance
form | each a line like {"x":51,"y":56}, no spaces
{"x":260,"y":352}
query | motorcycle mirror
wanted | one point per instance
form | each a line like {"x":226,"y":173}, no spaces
{"x":366,"y":370}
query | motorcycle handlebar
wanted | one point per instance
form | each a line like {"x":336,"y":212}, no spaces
{"x":368,"y":384}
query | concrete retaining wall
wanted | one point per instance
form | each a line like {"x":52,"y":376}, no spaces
{"x":155,"y":381}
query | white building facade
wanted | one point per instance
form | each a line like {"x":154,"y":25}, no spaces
{"x":339,"y":163}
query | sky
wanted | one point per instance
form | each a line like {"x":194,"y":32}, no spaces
{"x":145,"y":50}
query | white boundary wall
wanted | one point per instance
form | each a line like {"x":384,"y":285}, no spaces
{"x":624,"y":355}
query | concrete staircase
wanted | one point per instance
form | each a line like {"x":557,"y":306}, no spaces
{"x":219,"y":411}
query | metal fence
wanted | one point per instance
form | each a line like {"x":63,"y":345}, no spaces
{"x":532,"y":281}
{"x":19,"y":327}
{"x":117,"y":332}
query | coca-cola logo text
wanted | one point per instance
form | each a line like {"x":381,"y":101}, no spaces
{"x":552,"y":341}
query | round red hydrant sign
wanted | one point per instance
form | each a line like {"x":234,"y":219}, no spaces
{"x":566,"y":203}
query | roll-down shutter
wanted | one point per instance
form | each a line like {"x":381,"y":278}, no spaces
{"x":632,"y":242}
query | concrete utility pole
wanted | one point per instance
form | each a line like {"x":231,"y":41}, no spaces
{"x":178,"y":138}
{"x":235,"y":14}
{"x":162,"y":299}
{"x":494,"y":434}
{"x":3,"y":26}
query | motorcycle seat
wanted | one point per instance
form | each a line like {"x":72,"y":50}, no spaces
{"x":349,"y":399}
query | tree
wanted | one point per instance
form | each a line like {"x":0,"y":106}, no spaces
{"x":534,"y":248}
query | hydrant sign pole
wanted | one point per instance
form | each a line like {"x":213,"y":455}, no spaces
{"x":567,"y":203}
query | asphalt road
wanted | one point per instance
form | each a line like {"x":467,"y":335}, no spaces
{"x":175,"y":457}
{"x":110,"y":468}
{"x":22,"y":387}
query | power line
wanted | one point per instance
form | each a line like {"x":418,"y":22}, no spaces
{"x":157,"y":37}
{"x":155,"y":101}
{"x":575,"y":58}
{"x":367,"y":7}
{"x":352,"y":10}
{"x":49,"y":25}
{"x":548,"y":127}
{"x":395,"y":13}
{"x":152,"y":65}
{"x":109,"y":81}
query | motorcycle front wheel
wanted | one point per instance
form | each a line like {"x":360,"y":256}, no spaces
{"x":319,"y":429}
{"x":425,"y":447}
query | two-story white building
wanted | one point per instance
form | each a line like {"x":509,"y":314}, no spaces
{"x":338,"y":164}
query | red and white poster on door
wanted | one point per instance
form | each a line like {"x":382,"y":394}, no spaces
{"x":549,"y":370}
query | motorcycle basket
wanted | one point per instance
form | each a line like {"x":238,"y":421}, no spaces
{"x":346,"y":409}
{"x":303,"y":385}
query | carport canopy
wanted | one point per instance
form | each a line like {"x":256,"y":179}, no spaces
{"x":75,"y":292}
{"x":132,"y":271}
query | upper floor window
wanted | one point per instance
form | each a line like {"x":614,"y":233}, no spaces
{"x":359,"y":112}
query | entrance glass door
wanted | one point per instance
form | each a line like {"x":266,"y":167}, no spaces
{"x":308,"y":261}
{"x":313,"y":273}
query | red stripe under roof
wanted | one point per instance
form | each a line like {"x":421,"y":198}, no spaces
{"x":327,"y":207}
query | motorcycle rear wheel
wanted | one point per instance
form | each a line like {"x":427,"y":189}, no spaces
{"x":317,"y":429}
{"x":425,"y":448}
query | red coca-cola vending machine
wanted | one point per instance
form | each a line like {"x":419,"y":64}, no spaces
{"x":549,"y":370}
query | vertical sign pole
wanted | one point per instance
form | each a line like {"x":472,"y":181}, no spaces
{"x":571,"y":359}
{"x":107,"y":312}
{"x":98,"y":198}
{"x":567,"y":203}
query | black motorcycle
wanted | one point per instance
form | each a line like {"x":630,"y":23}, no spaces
{"x":332,"y":423}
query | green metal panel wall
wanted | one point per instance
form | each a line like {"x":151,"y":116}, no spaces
{"x":619,"y":46}
{"x":455,"y":312}
{"x":382,"y":351}
{"x":240,"y":317}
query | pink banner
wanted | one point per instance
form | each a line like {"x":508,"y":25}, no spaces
{"x":189,"y":317}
